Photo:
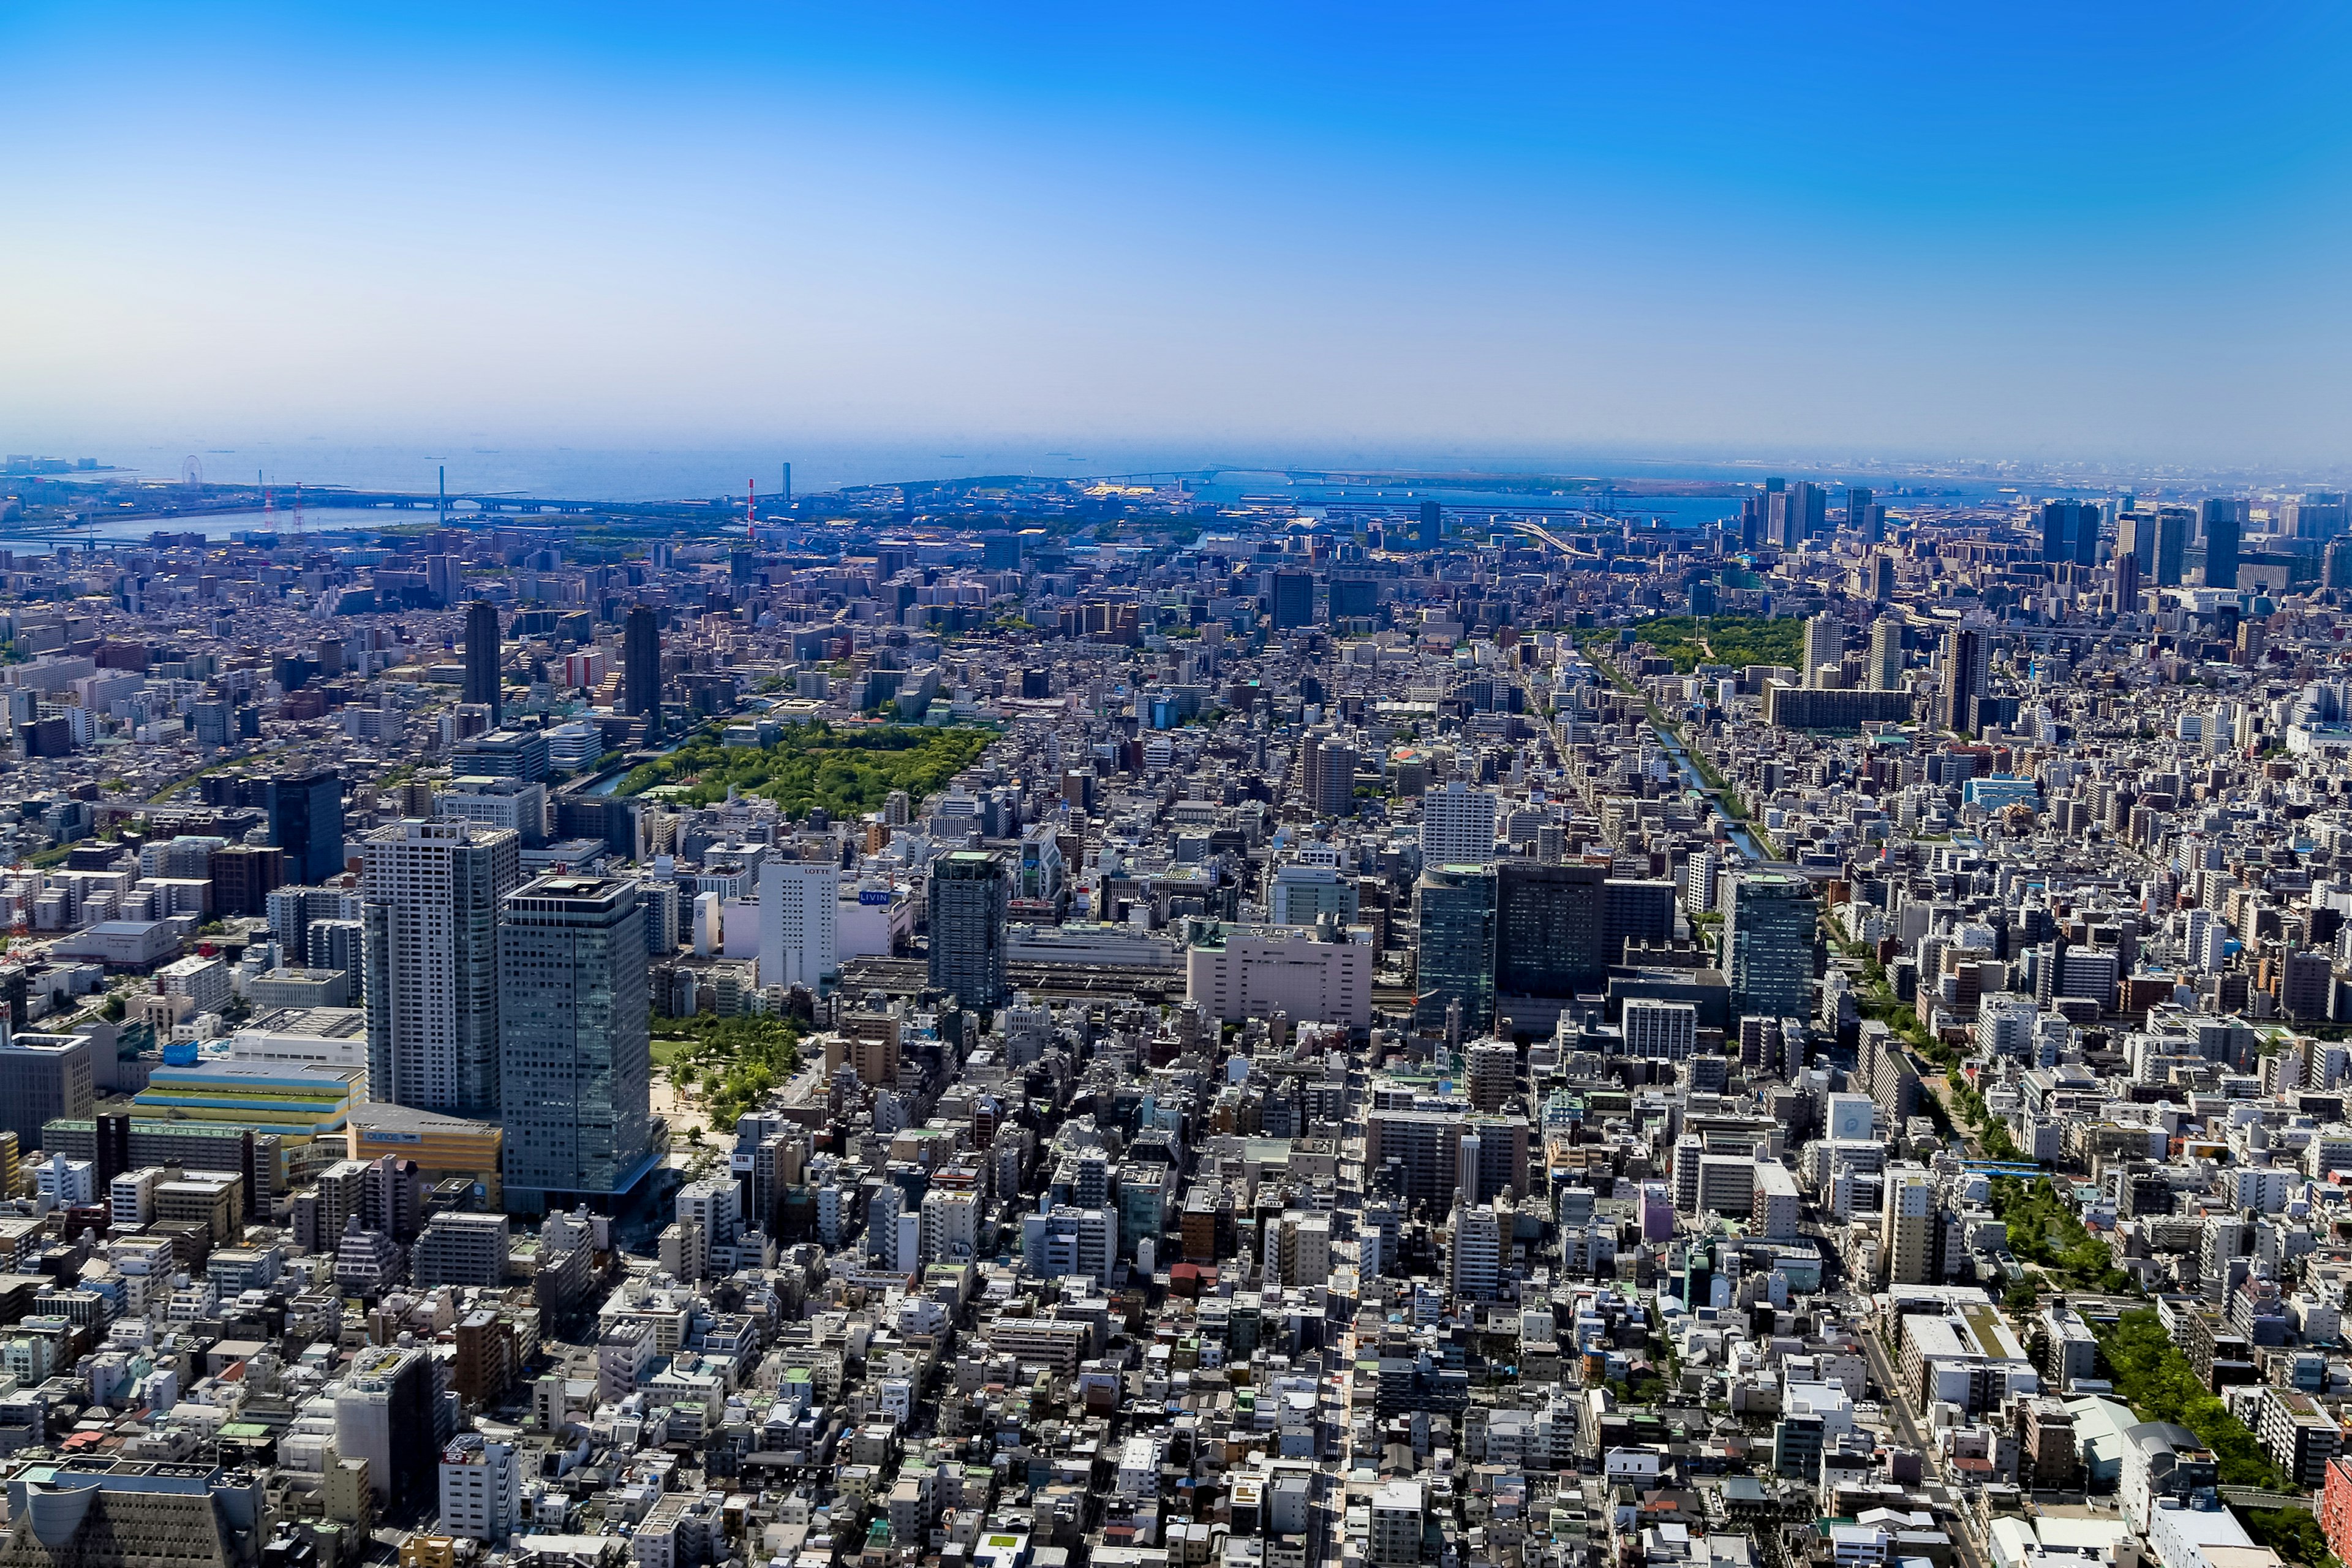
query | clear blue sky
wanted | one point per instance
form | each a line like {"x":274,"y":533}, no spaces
{"x":1987,"y":230}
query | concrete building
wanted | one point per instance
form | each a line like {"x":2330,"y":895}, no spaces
{"x":429,"y":896}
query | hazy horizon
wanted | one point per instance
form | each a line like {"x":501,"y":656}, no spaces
{"x":1693,"y":232}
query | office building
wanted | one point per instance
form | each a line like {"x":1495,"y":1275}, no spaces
{"x":384,"y":1414}
{"x":1768,"y":932}
{"x":2172,"y":526}
{"x":483,"y":685}
{"x":306,"y":823}
{"x":43,"y":1078}
{"x":1066,"y":1239}
{"x":970,"y":895}
{"x":1455,"y":905}
{"x":456,"y":1247}
{"x":575,"y":1061}
{"x":1660,"y":1031}
{"x":244,"y":876}
{"x":641,"y":668}
{"x":481,"y":1489}
{"x":1293,"y":600}
{"x":1458,"y":824}
{"x":520,"y":754}
{"x":1857,"y":509}
{"x":429,"y":898}
{"x":799,"y":906}
{"x":2224,"y":520}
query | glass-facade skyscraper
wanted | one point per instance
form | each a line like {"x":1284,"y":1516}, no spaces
{"x":1457,"y":947}
{"x":1768,"y":944}
{"x":970,"y":897}
{"x":575,"y":1061}
{"x":641,"y":667}
{"x":482,"y":683}
{"x":305,"y":821}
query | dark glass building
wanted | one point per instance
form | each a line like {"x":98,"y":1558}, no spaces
{"x":641,"y":667}
{"x":970,"y":897}
{"x":305,"y":821}
{"x":482,"y":684}
{"x":1457,"y":947}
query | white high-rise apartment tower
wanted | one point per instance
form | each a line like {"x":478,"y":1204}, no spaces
{"x":429,"y":895}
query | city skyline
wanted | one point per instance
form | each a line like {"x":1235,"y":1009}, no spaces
{"x":2010,"y":235}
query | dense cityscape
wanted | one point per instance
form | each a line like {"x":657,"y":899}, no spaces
{"x":1047,"y":1023}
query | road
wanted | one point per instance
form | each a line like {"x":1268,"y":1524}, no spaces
{"x":1932,"y":1481}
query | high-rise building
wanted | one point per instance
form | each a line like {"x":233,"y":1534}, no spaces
{"x":1824,"y":645}
{"x":969,"y":896}
{"x":1768,"y":944}
{"x":244,"y":876}
{"x":575,"y":1064}
{"x":305,"y":821}
{"x":2061,"y":520}
{"x":1457,"y":907}
{"x":1886,"y":654}
{"x":1909,"y":1224}
{"x":1551,"y":936}
{"x":2335,"y":564}
{"x":1494,"y":1074}
{"x":481,"y":1489}
{"x":483,"y":684}
{"x":2224,"y":521}
{"x":1293,"y":600}
{"x":799,"y":904}
{"x":429,"y":896}
{"x":641,"y":667}
{"x":1965,"y":654}
{"x":2172,"y":526}
{"x":1330,"y":767}
{"x":1458,"y":824}
{"x":1857,"y":509}
{"x":42,"y":1079}
{"x":1660,"y":1031}
{"x":1809,"y":510}
{"x":1473,"y":1263}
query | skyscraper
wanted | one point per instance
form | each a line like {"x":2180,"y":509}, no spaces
{"x":575,"y":1061}
{"x":2060,"y":519}
{"x":2086,"y":534}
{"x":2172,"y":525}
{"x":970,"y":895}
{"x":1292,"y":599}
{"x":1458,"y":824}
{"x":1886,"y":654}
{"x":1330,"y":767}
{"x":641,"y":667}
{"x":482,"y":683}
{"x":1964,"y":677}
{"x":1824,"y":643}
{"x":2222,"y":519}
{"x":1857,"y":509}
{"x":1767,"y":945}
{"x":799,"y":903}
{"x":429,"y":895}
{"x":1457,"y":907}
{"x":305,"y":821}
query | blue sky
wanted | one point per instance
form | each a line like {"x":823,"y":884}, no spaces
{"x":1985,"y":231}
